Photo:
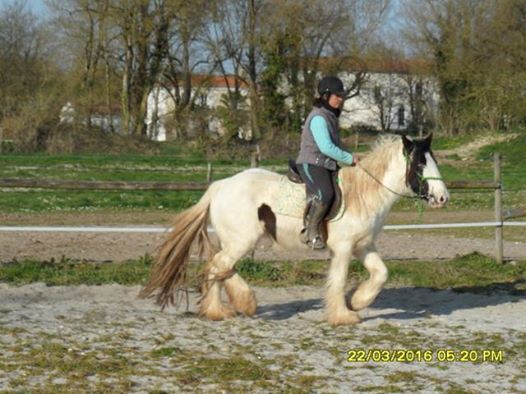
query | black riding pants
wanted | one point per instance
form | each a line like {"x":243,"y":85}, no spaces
{"x":318,"y":181}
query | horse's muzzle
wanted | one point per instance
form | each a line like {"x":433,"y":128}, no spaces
{"x":437,"y":201}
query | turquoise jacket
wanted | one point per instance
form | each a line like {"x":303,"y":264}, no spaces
{"x":320,"y":132}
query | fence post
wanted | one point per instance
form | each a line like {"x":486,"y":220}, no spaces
{"x":499,"y":244}
{"x":254,"y":158}
{"x":209,"y":173}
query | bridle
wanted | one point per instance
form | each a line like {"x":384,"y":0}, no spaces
{"x":421,"y":179}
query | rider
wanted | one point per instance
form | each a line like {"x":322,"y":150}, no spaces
{"x":319,"y":153}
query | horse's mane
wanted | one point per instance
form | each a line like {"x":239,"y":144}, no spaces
{"x":361,"y":192}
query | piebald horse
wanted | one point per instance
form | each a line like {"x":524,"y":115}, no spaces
{"x":240,"y":209}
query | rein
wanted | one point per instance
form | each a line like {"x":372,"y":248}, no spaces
{"x":387,"y":187}
{"x":417,"y":197}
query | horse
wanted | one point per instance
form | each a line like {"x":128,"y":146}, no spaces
{"x":241,"y":209}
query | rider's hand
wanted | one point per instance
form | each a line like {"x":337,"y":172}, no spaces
{"x":355,"y":160}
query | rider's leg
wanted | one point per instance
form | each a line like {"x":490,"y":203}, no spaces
{"x":320,"y":191}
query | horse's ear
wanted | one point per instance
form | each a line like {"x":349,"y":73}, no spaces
{"x":408,"y":144}
{"x":427,"y":141}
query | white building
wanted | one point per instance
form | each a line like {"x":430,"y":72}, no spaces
{"x":383,"y":103}
{"x":207,"y":91}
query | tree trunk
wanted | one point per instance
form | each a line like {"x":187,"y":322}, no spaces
{"x":252,"y":72}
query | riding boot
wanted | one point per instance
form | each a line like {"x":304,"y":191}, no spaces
{"x":311,"y":233}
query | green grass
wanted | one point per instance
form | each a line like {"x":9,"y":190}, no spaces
{"x":452,"y":142}
{"x":473,"y":272}
{"x":111,"y":168}
{"x":513,"y":162}
{"x":65,"y":272}
{"x":179,"y":164}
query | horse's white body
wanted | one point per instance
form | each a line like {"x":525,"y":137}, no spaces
{"x":233,"y":205}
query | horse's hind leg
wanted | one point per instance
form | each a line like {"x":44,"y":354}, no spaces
{"x":219,"y":271}
{"x":211,"y":306}
{"x":369,"y":289}
{"x":241,"y":296}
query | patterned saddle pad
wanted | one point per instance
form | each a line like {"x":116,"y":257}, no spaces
{"x":291,"y":199}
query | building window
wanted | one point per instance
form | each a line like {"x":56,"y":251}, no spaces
{"x":401,"y":116}
{"x":202,"y":100}
{"x":419,"y":89}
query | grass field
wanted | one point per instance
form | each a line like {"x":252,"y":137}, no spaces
{"x":191,"y":165}
{"x":467,"y":272}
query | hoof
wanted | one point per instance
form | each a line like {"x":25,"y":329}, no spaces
{"x":355,"y":303}
{"x":343,"y":319}
{"x":241,"y":297}
{"x":246,"y":304}
{"x":217,"y":313}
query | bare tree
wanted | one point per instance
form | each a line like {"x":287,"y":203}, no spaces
{"x":325,"y":37}
{"x":21,"y":57}
{"x":186,"y":54}
{"x":28,"y":78}
{"x":448,"y":32}
{"x":89,"y":53}
{"x":235,"y":41}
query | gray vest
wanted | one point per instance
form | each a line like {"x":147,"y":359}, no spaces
{"x":309,"y":151}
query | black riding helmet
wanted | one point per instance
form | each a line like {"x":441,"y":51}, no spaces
{"x":331,"y":85}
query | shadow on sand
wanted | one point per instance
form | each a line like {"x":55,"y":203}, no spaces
{"x":413,"y":302}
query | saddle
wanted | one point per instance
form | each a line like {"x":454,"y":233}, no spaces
{"x":294,"y":176}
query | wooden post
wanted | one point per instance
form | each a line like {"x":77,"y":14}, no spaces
{"x":499,"y":244}
{"x":254,"y":159}
{"x":209,"y":173}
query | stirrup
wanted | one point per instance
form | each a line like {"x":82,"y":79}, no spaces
{"x":316,"y":243}
{"x":313,"y":243}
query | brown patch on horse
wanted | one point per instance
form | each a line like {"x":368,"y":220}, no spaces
{"x":268,"y":217}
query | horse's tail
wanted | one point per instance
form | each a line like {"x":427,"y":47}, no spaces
{"x":169,"y":271}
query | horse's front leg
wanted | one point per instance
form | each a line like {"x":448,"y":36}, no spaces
{"x":337,"y":311}
{"x":366,"y":293}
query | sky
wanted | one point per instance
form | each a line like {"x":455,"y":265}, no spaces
{"x":37,"y":6}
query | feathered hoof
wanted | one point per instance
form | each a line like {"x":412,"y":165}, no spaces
{"x":343,"y":318}
{"x":217,"y":313}
{"x":244,"y":302}
{"x":354,"y":306}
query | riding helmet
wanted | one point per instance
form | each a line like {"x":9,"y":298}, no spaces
{"x":332,"y":85}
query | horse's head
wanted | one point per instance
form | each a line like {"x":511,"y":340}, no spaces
{"x":422,"y":174}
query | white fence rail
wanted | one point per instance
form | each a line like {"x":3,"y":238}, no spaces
{"x":138,"y":229}
{"x":501,"y":217}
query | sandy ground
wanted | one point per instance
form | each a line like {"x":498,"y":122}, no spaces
{"x":120,"y":247}
{"x":136,"y":348}
{"x":288,"y":342}
{"x":124,"y":246}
